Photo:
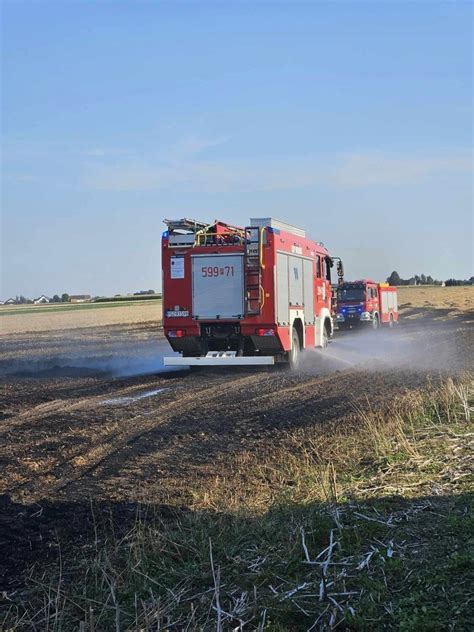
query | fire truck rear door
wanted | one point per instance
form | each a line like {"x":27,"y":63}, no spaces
{"x":218,"y":286}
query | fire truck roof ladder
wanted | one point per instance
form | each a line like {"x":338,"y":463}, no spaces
{"x":217,"y":231}
{"x":184,"y":224}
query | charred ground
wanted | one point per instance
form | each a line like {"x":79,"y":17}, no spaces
{"x":88,"y":420}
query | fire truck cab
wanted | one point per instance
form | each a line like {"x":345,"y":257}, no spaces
{"x":366,"y":302}
{"x":253,"y":295}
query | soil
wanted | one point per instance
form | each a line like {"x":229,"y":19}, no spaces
{"x":91,"y":427}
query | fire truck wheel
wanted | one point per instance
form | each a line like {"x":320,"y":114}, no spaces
{"x":294,"y":354}
{"x":391,"y":321}
{"x":375,"y":322}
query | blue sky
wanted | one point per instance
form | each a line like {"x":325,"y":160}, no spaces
{"x":352,"y":119}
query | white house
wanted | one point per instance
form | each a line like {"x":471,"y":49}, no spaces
{"x":80,"y":298}
{"x":41,"y":300}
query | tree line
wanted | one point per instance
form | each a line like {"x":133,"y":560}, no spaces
{"x":422,"y":279}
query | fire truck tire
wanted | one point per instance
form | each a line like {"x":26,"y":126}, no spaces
{"x":375,"y":322}
{"x":391,"y":322}
{"x":294,"y":355}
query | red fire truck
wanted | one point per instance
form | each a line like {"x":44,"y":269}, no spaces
{"x":366,"y":302}
{"x":254,"y":295}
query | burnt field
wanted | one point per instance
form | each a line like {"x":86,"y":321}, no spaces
{"x":91,"y":427}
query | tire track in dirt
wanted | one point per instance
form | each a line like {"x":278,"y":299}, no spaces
{"x":63,"y":406}
{"x":248,"y":400}
{"x":165,"y":462}
{"x":79,"y":462}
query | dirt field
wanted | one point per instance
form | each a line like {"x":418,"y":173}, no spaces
{"x":86,"y":413}
{"x":449,"y":298}
{"x":53,"y":317}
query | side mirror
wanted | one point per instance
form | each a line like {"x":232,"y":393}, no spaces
{"x":340,"y":271}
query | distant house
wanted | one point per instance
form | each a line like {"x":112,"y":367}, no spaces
{"x":79,"y":298}
{"x":41,"y":300}
{"x":10,"y":301}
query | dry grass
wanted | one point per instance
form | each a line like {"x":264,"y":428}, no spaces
{"x":435,"y":297}
{"x":363,"y":528}
{"x":333,"y":463}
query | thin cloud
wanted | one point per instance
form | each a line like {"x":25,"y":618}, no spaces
{"x":192,"y":146}
{"x":361,"y":170}
{"x":212,"y":176}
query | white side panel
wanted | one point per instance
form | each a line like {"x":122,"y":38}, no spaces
{"x":389,"y":302}
{"x":282,"y":289}
{"x":218,"y":286}
{"x":308,"y":291}
{"x":295,"y":274}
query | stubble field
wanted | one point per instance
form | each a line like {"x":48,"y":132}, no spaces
{"x":32,"y":318}
{"x":92,"y":431}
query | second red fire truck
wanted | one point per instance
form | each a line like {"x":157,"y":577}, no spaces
{"x":366,"y":302}
{"x":253,"y":295}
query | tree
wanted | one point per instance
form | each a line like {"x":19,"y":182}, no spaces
{"x":423,"y":279}
{"x":394,"y":279}
{"x":55,"y":299}
{"x":65,"y":297}
{"x":429,"y":280}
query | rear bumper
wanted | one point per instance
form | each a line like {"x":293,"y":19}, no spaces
{"x":219,"y":358}
{"x":224,"y":337}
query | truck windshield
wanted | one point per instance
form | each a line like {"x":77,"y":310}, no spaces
{"x":351,"y":294}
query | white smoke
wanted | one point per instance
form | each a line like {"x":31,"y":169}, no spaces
{"x":426,"y":349}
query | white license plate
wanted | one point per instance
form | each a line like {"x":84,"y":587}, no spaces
{"x":171,"y":313}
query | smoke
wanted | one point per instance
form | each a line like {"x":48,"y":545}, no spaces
{"x":436,"y":346}
{"x":62,"y":361}
{"x":437,"y":349}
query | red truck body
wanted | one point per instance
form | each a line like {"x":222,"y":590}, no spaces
{"x":254,"y":295}
{"x":366,"y":302}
